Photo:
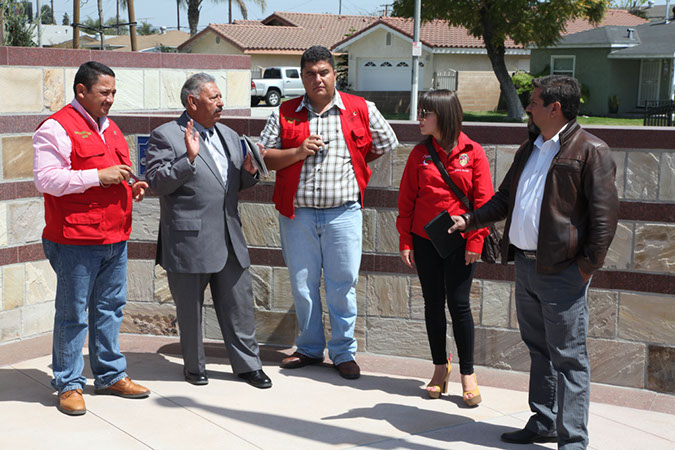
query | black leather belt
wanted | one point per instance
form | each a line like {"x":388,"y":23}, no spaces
{"x":527,"y":254}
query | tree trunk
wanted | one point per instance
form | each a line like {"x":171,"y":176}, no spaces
{"x":495,"y":51}
{"x":194,"y":7}
{"x":513,"y":105}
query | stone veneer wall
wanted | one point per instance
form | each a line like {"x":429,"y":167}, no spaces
{"x":36,"y":82}
{"x":632,"y":327}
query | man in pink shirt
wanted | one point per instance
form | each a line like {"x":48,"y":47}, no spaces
{"x":81,"y":164}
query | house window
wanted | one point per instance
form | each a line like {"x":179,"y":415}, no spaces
{"x":388,"y":39}
{"x":386,"y":64}
{"x":402,"y":64}
{"x":562,"y":65}
{"x":370,"y":64}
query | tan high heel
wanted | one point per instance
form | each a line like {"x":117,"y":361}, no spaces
{"x":435,"y":390}
{"x":476,"y":398}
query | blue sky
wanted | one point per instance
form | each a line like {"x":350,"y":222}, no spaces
{"x":147,"y":10}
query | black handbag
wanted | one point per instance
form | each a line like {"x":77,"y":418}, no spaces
{"x":493,"y":242}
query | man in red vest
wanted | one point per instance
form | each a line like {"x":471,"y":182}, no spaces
{"x":320,"y":145}
{"x":81,"y":164}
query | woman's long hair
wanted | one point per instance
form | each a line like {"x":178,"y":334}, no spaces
{"x":448,"y":110}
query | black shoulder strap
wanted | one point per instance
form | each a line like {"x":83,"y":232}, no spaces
{"x":444,"y":173}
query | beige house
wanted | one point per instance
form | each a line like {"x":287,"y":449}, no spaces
{"x":380,"y":58}
{"x":277,"y":40}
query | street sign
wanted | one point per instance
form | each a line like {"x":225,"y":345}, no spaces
{"x":417,"y":49}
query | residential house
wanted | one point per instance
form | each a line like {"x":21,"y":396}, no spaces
{"x":635,"y":64}
{"x":278,"y":40}
{"x":380,"y":56}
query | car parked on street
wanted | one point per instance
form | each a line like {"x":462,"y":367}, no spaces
{"x":276,"y":83}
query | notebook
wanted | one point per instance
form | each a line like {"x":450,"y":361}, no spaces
{"x":437,"y":230}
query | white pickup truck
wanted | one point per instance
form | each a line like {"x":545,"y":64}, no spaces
{"x":277,"y":82}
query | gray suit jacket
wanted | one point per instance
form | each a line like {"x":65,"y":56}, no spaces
{"x":198,"y":212}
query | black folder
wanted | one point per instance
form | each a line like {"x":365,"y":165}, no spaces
{"x":437,"y":230}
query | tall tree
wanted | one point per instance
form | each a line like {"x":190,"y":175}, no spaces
{"x":46,"y":15}
{"x":194,"y":7}
{"x":524,"y":21}
{"x":145,"y":29}
{"x":66,"y":19}
{"x":18,"y":30}
{"x":241,"y":4}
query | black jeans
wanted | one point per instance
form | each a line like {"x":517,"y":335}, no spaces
{"x":442,"y":279}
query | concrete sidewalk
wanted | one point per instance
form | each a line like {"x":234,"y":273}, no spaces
{"x":312,"y":407}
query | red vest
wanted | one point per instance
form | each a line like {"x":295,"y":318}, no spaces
{"x":295,"y":129}
{"x":98,"y":215}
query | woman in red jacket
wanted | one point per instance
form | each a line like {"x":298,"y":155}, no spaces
{"x":424,"y":194}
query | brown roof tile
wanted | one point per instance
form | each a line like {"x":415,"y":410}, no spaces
{"x":283,"y":31}
{"x":438,"y":34}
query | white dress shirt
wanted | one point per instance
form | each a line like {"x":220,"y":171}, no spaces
{"x":524,"y":230}
{"x":216,"y":148}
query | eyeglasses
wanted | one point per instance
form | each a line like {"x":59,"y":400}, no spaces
{"x":423,"y":113}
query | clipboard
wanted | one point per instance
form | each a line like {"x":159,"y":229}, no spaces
{"x":250,"y":147}
{"x":437,"y":230}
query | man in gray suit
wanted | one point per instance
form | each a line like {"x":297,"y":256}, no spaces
{"x":195,"y":165}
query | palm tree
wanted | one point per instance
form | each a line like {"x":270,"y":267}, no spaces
{"x":242,"y":7}
{"x":194,"y":8}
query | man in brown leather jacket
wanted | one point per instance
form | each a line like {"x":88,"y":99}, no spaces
{"x":560,"y":205}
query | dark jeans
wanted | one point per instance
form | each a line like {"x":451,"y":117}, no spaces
{"x":442,"y":279}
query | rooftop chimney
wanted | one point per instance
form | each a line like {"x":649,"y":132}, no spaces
{"x":631,"y":32}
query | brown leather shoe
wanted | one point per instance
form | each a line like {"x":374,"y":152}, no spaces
{"x":125,"y":388}
{"x":72,"y":403}
{"x":349,"y":370}
{"x":297,"y":360}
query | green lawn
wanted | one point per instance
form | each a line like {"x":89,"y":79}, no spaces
{"x":498,"y":116}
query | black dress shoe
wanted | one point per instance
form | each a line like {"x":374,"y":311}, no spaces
{"x":526,"y":436}
{"x":257,"y":378}
{"x":198,"y":379}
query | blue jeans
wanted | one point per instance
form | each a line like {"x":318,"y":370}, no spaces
{"x":93,"y":277}
{"x":328,"y":239}
{"x":553,"y":318}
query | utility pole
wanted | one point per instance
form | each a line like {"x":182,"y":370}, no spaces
{"x":416,"y":52}
{"x":76,"y":24}
{"x":100,"y":23}
{"x":386,"y":10}
{"x":132,"y":25}
{"x":178,"y":14}
{"x":39,"y":24}
{"x":340,"y":8}
{"x":117,"y":25}
{"x":53,"y":20}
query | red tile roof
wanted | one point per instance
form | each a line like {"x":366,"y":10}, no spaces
{"x":283,"y":31}
{"x":290,"y":32}
{"x":612,"y":17}
{"x":438,"y":34}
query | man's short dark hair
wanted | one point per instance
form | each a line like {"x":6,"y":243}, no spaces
{"x":315,"y":54}
{"x":562,"y":89}
{"x":89,"y":72}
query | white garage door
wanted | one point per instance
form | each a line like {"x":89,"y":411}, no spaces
{"x":387,"y":74}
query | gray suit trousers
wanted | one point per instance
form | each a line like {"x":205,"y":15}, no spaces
{"x":233,"y":303}
{"x":553,"y":320}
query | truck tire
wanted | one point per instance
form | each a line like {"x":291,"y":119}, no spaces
{"x":255,"y":101}
{"x":273,"y":98}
